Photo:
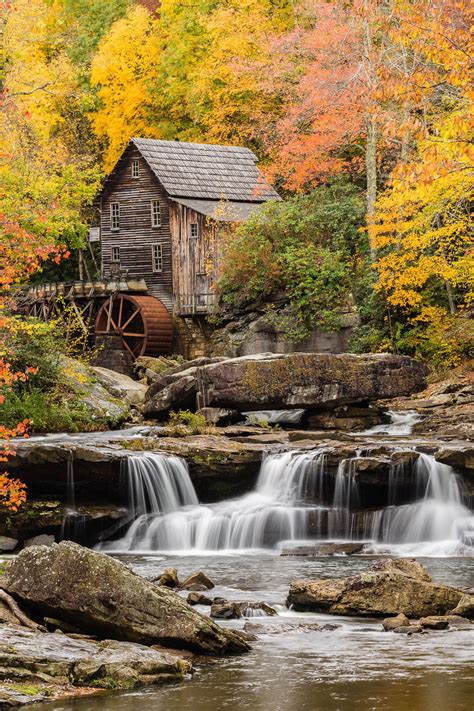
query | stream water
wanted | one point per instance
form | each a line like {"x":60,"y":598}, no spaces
{"x":356,"y":666}
{"x":237,"y":544}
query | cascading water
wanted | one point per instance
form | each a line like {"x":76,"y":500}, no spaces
{"x":296,"y":498}
{"x":73,"y":527}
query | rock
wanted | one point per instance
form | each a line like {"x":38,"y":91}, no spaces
{"x":389,"y":587}
{"x":285,"y":381}
{"x":409,"y":629}
{"x":305,"y":627}
{"x":460,"y":456}
{"x":391,"y":623}
{"x":324,"y":549}
{"x":103,"y":407}
{"x":121,"y":386}
{"x":220,"y":415}
{"x":58,"y":662}
{"x":195,"y":598}
{"x":109,"y":600}
{"x":42,"y":540}
{"x":225,"y":610}
{"x":435,"y":622}
{"x":457,"y":621}
{"x":168,"y":578}
{"x":465,"y":607}
{"x":300,"y":380}
{"x":198,"y":578}
{"x":7,"y":544}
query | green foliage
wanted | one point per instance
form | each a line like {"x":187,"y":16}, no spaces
{"x":38,"y":346}
{"x":47,"y":412}
{"x":185,"y":422}
{"x":310,"y":246}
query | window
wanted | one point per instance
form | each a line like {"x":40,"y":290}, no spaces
{"x":135,"y":169}
{"x":155,"y":213}
{"x":116,"y":254}
{"x":157,"y":257}
{"x":114,"y":215}
{"x":194,"y":230}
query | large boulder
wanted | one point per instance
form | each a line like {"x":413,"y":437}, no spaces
{"x":285,"y":381}
{"x":101,"y":596}
{"x":387,"y":588}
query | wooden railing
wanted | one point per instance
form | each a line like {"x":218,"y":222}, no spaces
{"x":195,"y":304}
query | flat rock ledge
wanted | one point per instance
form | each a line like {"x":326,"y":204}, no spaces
{"x":101,"y":596}
{"x":389,"y":587}
{"x":38,"y":666}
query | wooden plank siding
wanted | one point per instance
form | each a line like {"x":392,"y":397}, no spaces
{"x":192,"y":257}
{"x":136,"y":235}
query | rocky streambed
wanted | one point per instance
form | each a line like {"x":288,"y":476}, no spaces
{"x":312,"y":658}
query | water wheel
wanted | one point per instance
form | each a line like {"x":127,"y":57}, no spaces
{"x":143,"y":323}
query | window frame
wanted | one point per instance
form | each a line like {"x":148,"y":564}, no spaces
{"x":114,"y":218}
{"x":191,"y":226}
{"x":135,"y":169}
{"x":156,"y":221}
{"x":115,"y":255}
{"x":157,"y":257}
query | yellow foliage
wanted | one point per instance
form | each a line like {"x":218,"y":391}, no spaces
{"x":123,"y":70}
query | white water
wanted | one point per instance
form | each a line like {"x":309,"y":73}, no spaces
{"x":273,"y":417}
{"x":287,"y":505}
{"x":400,"y":425}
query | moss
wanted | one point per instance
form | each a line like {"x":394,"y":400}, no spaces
{"x":29,"y":689}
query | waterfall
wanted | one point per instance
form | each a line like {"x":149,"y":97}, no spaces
{"x":400,"y":425}
{"x":296,"y":498}
{"x":73,"y":526}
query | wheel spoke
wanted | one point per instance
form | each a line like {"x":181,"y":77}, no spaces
{"x":130,"y":319}
{"x":109,"y":317}
{"x":133,"y":335}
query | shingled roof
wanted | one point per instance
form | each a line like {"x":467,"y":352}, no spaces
{"x":206,"y":172}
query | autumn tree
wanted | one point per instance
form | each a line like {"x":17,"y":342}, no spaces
{"x":123,"y":72}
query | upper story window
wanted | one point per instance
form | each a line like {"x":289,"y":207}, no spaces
{"x":194,"y":231}
{"x":155,"y":213}
{"x":157,"y":257}
{"x":114,"y":215}
{"x":116,"y":254}
{"x":135,"y":169}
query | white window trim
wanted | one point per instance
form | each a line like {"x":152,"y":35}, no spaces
{"x":135,"y":163}
{"x":155,"y":258}
{"x":115,"y":250}
{"x":112,"y":228}
{"x":196,"y":225}
{"x":156,"y":224}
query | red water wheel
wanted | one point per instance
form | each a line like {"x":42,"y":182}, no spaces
{"x":143,"y":323}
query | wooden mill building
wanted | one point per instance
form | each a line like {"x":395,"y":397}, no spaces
{"x":160,"y":212}
{"x":161,"y":208}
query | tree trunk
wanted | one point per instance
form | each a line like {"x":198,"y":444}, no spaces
{"x":451,"y":302}
{"x":371,"y":170}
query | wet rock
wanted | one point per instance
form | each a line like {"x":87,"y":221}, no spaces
{"x":389,"y":587}
{"x":408,"y":629}
{"x":60,"y":663}
{"x":42,"y":540}
{"x":435,"y":622}
{"x":465,"y":607}
{"x":168,"y":578}
{"x":109,"y":600}
{"x":459,"y":456}
{"x":195,"y":598}
{"x":7,"y":544}
{"x":198,"y":578}
{"x":225,"y":610}
{"x":391,"y":623}
{"x":303,"y":627}
{"x":324,"y":549}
